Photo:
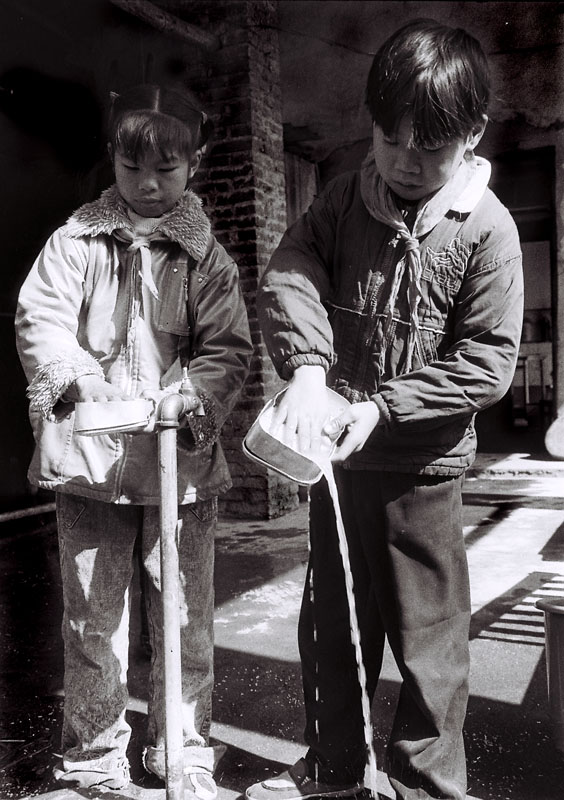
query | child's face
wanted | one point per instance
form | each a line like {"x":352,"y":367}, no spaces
{"x":415,"y":174}
{"x":152,"y":186}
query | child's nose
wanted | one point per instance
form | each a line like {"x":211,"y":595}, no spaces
{"x":407,"y":160}
{"x":148,"y":181}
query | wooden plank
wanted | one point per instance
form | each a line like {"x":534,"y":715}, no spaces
{"x":168,"y":23}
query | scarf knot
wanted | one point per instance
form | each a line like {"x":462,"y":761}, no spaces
{"x":140,"y":245}
{"x":411,"y":244}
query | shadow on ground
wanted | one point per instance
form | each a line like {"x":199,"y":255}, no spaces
{"x":510,"y":752}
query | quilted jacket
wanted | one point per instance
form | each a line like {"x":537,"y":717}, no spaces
{"x":325,"y":293}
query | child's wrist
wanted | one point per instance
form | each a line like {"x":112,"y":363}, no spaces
{"x":309,"y":373}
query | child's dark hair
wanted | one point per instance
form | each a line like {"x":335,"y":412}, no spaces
{"x":437,"y":74}
{"x":159,"y":119}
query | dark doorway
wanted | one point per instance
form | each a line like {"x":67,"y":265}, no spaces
{"x":524,"y":182}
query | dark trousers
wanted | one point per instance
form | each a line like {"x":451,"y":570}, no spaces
{"x":411,"y":585}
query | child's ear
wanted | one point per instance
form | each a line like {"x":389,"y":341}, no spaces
{"x":110,"y":153}
{"x":195,"y":163}
{"x":477,"y":133}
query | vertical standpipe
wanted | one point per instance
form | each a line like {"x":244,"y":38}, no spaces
{"x":168,"y":415}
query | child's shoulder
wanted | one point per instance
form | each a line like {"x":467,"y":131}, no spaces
{"x":492,"y":214}
{"x":493,"y":230}
{"x":344,"y":181}
{"x":342,"y":191}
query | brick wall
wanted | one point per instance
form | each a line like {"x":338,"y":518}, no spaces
{"x":243,"y":187}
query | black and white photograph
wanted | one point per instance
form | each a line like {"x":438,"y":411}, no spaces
{"x":282,"y":335}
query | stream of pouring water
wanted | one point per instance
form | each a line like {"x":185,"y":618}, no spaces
{"x":327,"y":469}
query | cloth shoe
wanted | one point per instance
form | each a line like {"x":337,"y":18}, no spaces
{"x":199,"y":763}
{"x":295,"y":784}
{"x":83,"y":776}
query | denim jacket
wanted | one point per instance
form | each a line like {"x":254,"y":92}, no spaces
{"x":323,"y":298}
{"x":84,"y":309}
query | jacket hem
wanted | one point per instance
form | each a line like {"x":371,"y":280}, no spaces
{"x":205,"y":493}
{"x":415,"y":469}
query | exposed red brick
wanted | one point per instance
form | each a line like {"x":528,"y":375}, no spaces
{"x":242,"y":183}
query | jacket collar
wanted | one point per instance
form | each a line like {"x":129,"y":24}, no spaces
{"x":186,"y":224}
{"x":479,"y":177}
{"x":461,"y":194}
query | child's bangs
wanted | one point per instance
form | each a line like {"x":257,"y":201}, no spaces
{"x":388,"y":107}
{"x":140,"y":132}
{"x":437,"y":115}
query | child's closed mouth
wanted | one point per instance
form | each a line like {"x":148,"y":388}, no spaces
{"x":145,"y":203}
{"x":407,"y":185}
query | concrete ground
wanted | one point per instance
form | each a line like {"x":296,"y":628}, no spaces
{"x":514,"y":528}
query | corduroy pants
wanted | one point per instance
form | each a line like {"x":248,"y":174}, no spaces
{"x":411,"y":585}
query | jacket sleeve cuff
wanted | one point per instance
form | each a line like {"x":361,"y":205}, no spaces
{"x":204,"y":427}
{"x":301,"y":359}
{"x":53,"y":377}
{"x":385,"y":416}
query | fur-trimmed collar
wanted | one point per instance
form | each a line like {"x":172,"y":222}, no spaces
{"x":186,"y":224}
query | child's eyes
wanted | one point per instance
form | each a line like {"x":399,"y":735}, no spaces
{"x":135,"y":167}
{"x":429,"y":150}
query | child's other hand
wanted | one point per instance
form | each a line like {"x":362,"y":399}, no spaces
{"x":90,"y":388}
{"x":302,"y":410}
{"x":359,"y":421}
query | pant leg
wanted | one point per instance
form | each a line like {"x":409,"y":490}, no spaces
{"x":196,"y":560}
{"x":334,"y":722}
{"x":421,"y":582}
{"x":96,"y":550}
{"x":407,"y":532}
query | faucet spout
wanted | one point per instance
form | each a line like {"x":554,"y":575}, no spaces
{"x":170,"y":410}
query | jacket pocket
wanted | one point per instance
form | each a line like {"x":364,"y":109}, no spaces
{"x":204,"y":510}
{"x":173,"y":313}
{"x":427,"y":346}
{"x":70,"y":508}
{"x":348,"y":327}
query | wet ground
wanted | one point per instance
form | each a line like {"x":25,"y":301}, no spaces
{"x":514,"y":527}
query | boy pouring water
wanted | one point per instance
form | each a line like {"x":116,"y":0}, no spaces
{"x":401,"y":289}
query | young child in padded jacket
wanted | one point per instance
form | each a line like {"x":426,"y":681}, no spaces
{"x":133,"y":289}
{"x":401,"y":289}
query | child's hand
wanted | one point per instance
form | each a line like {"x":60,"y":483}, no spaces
{"x":156,"y":395}
{"x":359,"y":421}
{"x":90,"y":388}
{"x":302,"y":410}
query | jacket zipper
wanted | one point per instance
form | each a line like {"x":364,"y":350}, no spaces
{"x":133,"y":310}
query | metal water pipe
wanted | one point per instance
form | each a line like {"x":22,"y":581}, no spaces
{"x":168,"y":415}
